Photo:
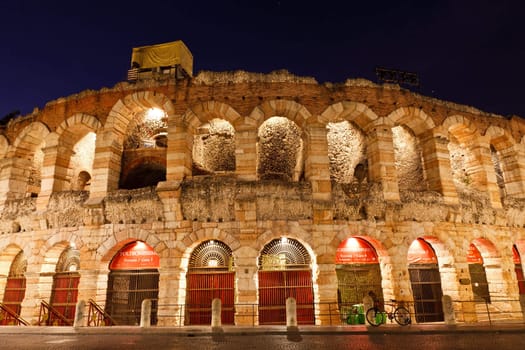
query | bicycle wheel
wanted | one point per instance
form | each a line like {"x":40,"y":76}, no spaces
{"x":402,"y":316}
{"x":372,"y":316}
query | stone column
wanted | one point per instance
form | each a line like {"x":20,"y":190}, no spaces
{"x":512,"y":164}
{"x":328,"y":307}
{"x":168,"y":300}
{"x":54,"y":173}
{"x":179,"y":153}
{"x":246,"y":154}
{"x":106,"y":167}
{"x":437,"y":166}
{"x":13,"y":179}
{"x":484,"y":173}
{"x":246,"y":311}
{"x":381,"y":161}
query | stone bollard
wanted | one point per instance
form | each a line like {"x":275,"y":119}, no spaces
{"x":216,"y":314}
{"x":291,"y":314}
{"x":79,"y":314}
{"x":145,"y":313}
{"x":448,"y":310}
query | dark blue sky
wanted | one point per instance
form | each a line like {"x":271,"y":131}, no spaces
{"x":469,"y":52}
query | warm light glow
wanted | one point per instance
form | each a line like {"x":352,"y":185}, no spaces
{"x":284,"y":240}
{"x":213,"y":263}
{"x":155,"y":114}
{"x":72,"y":268}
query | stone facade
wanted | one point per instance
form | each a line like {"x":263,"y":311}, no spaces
{"x":340,"y":160}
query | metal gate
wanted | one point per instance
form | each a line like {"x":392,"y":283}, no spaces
{"x":480,"y":286}
{"x":426,"y":287}
{"x":64,"y":295}
{"x":355,"y":281}
{"x":276,"y":286}
{"x":15,"y":291}
{"x":202,"y":288}
{"x":126,"y":291}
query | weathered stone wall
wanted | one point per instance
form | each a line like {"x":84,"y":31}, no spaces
{"x":220,"y":183}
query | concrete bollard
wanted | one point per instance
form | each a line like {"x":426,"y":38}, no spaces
{"x":448,"y":310}
{"x":79,"y":314}
{"x":216,"y":314}
{"x":291,"y":314}
{"x":145,"y":313}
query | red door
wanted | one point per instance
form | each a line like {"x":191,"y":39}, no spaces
{"x":64,"y":296}
{"x":277,"y":286}
{"x":15,"y":291}
{"x":202,"y":288}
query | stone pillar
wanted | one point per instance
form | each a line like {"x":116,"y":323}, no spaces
{"x":448,"y":310}
{"x":328,"y":312}
{"x":169,"y":302}
{"x":216,"y":311}
{"x":484,"y":174}
{"x":180,"y":147}
{"x":317,"y":171}
{"x":246,"y":311}
{"x":246,"y":154}
{"x":13,"y":179}
{"x":106,"y":167}
{"x":291,"y":313}
{"x":145,"y":313}
{"x":79,"y":314}
{"x":437,"y":167}
{"x":512,"y":164}
{"x":381,"y":161}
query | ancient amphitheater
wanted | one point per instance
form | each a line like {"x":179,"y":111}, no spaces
{"x":252,"y":188}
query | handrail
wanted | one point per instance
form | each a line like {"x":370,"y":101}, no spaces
{"x":13,"y":314}
{"x":45,"y":318}
{"x":97,"y":316}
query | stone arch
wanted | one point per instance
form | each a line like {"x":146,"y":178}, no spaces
{"x":282,"y":108}
{"x":500,"y":138}
{"x":4,"y":146}
{"x":206,"y":111}
{"x":355,"y":112}
{"x":123,"y":112}
{"x":53,"y":248}
{"x":79,"y":119}
{"x":413,"y":118}
{"x":29,"y":139}
{"x":8,"y":254}
{"x":107,"y":249}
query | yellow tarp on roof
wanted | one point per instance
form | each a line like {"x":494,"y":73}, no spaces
{"x":163,"y":55}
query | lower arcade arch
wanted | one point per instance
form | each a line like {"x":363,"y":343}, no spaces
{"x":425,"y":281}
{"x":133,"y":277}
{"x":358,"y":273}
{"x":518,"y":269}
{"x":478,"y":275}
{"x":15,"y":290}
{"x":285,"y":271}
{"x":210,"y":276}
{"x":64,"y":292}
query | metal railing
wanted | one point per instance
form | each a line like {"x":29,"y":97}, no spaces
{"x":339,"y":314}
{"x":49,"y":316}
{"x":97,"y":317}
{"x":11,"y":318}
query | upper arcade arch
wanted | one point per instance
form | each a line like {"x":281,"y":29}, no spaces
{"x":355,"y":112}
{"x":291,"y":110}
{"x":413,"y":118}
{"x":204,"y":112}
{"x":4,"y":146}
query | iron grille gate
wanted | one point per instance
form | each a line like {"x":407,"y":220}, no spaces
{"x":480,"y":286}
{"x":202,"y":288}
{"x":15,"y":291}
{"x":276,"y":286}
{"x":426,"y":286}
{"x":126,"y":291}
{"x":354,"y":283}
{"x":64,"y":294}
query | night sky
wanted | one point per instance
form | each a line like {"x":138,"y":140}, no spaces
{"x":468,"y":52}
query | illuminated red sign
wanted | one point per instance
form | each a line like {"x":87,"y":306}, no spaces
{"x":420,"y":252}
{"x":135,"y":256}
{"x":355,"y":251}
{"x":474,"y":256}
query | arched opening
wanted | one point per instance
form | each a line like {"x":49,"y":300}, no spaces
{"x":518,"y":268}
{"x":214,"y":147}
{"x":408,"y":160}
{"x":284,"y":272}
{"x":347,"y":153}
{"x":478,"y":275}
{"x":133,"y":277}
{"x":144,"y":155}
{"x":280,"y":150}
{"x":83,"y":181}
{"x":425,"y":281}
{"x":358,"y":273}
{"x":15,"y":290}
{"x":64,"y":292}
{"x":210,"y":276}
{"x":148,"y":172}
